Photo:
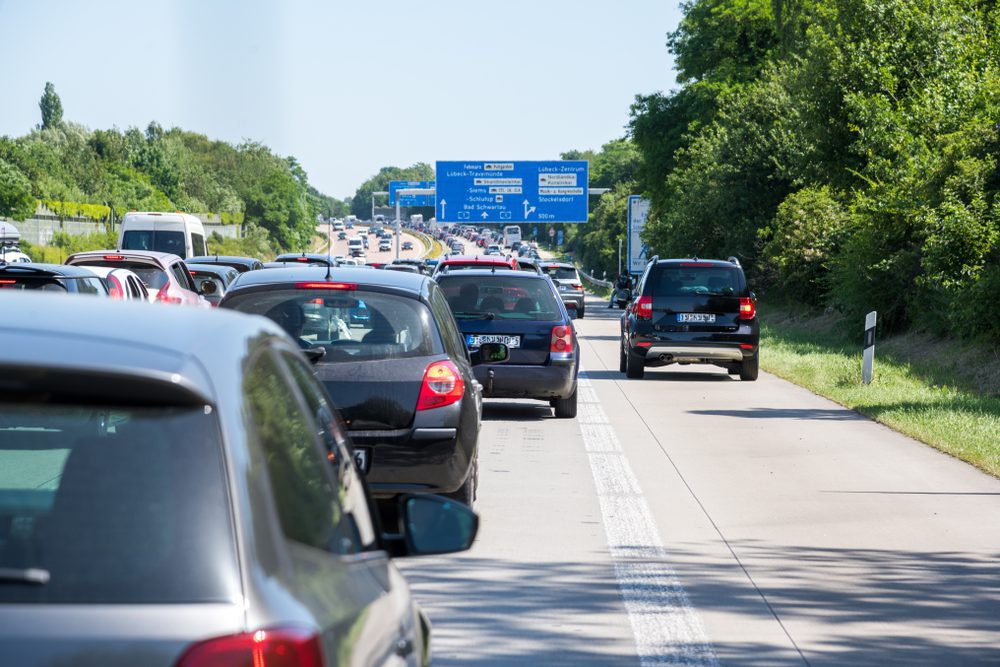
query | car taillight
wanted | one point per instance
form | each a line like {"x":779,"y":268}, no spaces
{"x":576,"y":286}
{"x":562,"y":340}
{"x":747,"y":308}
{"x":281,"y":647}
{"x":442,"y":385}
{"x":644,"y":308}
{"x":163,"y":296}
{"x":327,"y":285}
{"x":115,"y":287}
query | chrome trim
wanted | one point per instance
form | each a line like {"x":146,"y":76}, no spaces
{"x":695,"y":353}
{"x":434,"y":433}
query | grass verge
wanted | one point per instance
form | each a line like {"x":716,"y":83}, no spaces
{"x":940,"y":392}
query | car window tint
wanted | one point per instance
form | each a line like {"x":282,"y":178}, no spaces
{"x":513,"y":296}
{"x":450,"y":335}
{"x":561,"y":273}
{"x":118,"y":505}
{"x":93,"y":286}
{"x":350,"y":489}
{"x":42,"y":284}
{"x":182,"y":276}
{"x":147,"y":239}
{"x":688,"y":280}
{"x":304,"y":491}
{"x":198,"y":244}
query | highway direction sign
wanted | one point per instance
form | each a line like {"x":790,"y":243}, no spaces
{"x":638,"y":211}
{"x":411,"y":200}
{"x":502,"y":192}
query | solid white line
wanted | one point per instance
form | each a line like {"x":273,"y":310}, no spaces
{"x":666,"y":628}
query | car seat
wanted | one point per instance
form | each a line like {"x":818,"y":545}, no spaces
{"x":492,"y":304}
{"x":525,"y":305}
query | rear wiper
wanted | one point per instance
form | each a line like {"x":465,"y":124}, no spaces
{"x":476,"y":316}
{"x":29,"y":575}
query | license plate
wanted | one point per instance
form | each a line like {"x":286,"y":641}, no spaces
{"x":698,"y":318}
{"x":475,"y":340}
{"x":563,"y":288}
{"x":363,"y":459}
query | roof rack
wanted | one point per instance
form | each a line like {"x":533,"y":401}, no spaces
{"x":733,"y":260}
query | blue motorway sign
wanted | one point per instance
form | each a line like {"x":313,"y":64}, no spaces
{"x":411,"y":200}
{"x":500,"y":192}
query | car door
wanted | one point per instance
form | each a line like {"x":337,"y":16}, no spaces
{"x":348,"y":582}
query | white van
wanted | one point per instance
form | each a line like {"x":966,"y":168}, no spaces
{"x":356,"y":247}
{"x":179,"y":233}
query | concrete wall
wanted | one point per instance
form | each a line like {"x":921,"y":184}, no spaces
{"x":39,"y":230}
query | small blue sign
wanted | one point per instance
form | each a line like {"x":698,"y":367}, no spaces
{"x":411,"y":200}
{"x":505,"y":192}
{"x":559,"y":237}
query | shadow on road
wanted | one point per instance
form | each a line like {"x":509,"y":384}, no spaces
{"x":808,"y":414}
{"x":509,"y":411}
{"x":661,"y":376}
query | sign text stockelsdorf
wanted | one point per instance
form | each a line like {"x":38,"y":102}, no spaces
{"x":411,"y":200}
{"x":500,"y":192}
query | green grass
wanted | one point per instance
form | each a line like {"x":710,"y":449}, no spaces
{"x":941,"y":392}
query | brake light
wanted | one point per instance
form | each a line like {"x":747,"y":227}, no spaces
{"x":327,"y":285}
{"x":442,"y":385}
{"x":748,"y":310}
{"x":8,"y":282}
{"x":282,"y":647}
{"x":576,"y":286}
{"x":562,"y":340}
{"x":644,"y":308}
{"x":163,"y":296}
{"x":301,"y":259}
{"x":114,"y":258}
{"x":115,"y":287}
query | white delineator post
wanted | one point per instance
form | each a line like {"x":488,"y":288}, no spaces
{"x":868,"y":356}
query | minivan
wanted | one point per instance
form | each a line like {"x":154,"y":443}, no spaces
{"x":181,"y":234}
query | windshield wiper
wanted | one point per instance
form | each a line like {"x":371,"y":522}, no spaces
{"x":28,"y":575}
{"x":476,"y":316}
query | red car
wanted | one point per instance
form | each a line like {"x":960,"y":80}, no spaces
{"x":166,"y":276}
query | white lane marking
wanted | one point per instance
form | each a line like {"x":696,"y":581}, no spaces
{"x":666,"y":628}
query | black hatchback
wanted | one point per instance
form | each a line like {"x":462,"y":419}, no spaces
{"x":386,"y":347}
{"x":691,"y":311}
{"x":522,"y":336}
{"x":51,"y":278}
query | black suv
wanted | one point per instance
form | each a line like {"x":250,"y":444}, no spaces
{"x":691,"y":311}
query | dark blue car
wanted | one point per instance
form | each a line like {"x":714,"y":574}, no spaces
{"x":522,"y":339}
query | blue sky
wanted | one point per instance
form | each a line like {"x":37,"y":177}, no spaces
{"x":346,"y":87}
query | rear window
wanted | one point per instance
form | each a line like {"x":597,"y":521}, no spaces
{"x":148,"y":239}
{"x":688,"y":280}
{"x":116,"y":505}
{"x":500,"y":296}
{"x":560,"y":272}
{"x":198,"y":244}
{"x":152,"y":277}
{"x":93,"y":286}
{"x":351,"y":325}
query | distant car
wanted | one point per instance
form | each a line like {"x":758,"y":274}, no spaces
{"x":524,"y":337}
{"x":212,"y":281}
{"x":402,"y":267}
{"x":183,"y":494}
{"x":384,"y":245}
{"x":51,"y":278}
{"x":691,"y":311}
{"x":338,"y":225}
{"x":526,"y":264}
{"x":407,"y":245}
{"x":568,"y":282}
{"x":165,"y":275}
{"x":462,"y":262}
{"x":122,"y":283}
{"x":306,"y":259}
{"x":341,"y":236}
{"x":241,"y":264}
{"x":401,"y":377}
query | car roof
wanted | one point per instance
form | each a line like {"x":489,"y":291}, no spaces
{"x":694,"y":261}
{"x":402,"y":280}
{"x":101,"y":338}
{"x":35,"y":268}
{"x":217,"y":269}
{"x":552,"y":264}
{"x":218,"y":259}
{"x":490,"y":273}
{"x":476,"y":259}
{"x":161,"y":258}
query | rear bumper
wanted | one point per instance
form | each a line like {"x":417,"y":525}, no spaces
{"x":421,"y":461}
{"x":572,"y":300}
{"x":555,"y":380}
{"x":695,"y":353}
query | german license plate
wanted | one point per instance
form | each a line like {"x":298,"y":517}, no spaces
{"x":475,"y":340}
{"x":697,"y":318}
{"x":363,"y":459}
{"x":563,"y":288}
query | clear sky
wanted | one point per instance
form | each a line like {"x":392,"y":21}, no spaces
{"x":346,"y":87}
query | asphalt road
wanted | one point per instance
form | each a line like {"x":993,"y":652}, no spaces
{"x":373,"y":253}
{"x":693,"y":519}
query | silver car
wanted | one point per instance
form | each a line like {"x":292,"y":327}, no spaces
{"x":568,"y":282}
{"x":177,"y":491}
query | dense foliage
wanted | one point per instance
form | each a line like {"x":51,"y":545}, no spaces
{"x":75,"y":171}
{"x":845,"y":150}
{"x":361,"y":203}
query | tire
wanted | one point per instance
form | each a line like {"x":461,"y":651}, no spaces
{"x":466,"y":493}
{"x":634,"y":366}
{"x":622,"y":359}
{"x":750,"y":367}
{"x":565,"y":408}
{"x":580,"y":311}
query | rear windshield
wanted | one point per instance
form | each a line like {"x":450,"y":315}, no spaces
{"x":148,"y":239}
{"x":152,"y":277}
{"x":116,"y":505}
{"x":500,"y":296}
{"x":560,"y":272}
{"x":93,"y":286}
{"x":688,"y":280}
{"x":351,"y":325}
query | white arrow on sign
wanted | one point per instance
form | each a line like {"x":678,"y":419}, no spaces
{"x":443,"y":203}
{"x":527,"y":210}
{"x":485,"y":215}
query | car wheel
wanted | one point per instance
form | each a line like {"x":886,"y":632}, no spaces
{"x":634,"y":366}
{"x":565,"y":408}
{"x":467,"y":492}
{"x":580,"y":312}
{"x":622,"y":359}
{"x":750,"y":367}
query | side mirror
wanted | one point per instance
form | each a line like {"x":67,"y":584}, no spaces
{"x":753,"y":296}
{"x":208,"y":288}
{"x":430,"y":525}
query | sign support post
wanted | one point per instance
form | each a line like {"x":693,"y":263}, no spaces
{"x":868,"y":356}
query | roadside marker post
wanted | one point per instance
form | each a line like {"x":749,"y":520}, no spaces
{"x":868,"y":356}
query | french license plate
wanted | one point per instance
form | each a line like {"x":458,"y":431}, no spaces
{"x":475,"y":340}
{"x":363,"y":458}
{"x":697,"y":318}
